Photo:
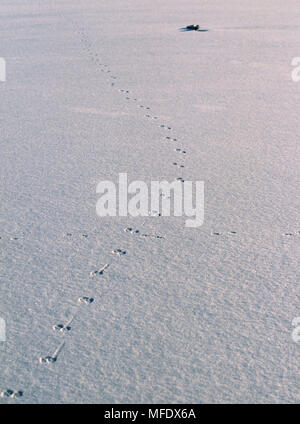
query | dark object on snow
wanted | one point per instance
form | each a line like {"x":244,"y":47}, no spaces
{"x":193,"y":27}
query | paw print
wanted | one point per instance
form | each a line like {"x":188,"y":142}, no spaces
{"x":99,"y":271}
{"x":86,"y":300}
{"x":11,"y":393}
{"x":119,"y":252}
{"x":48,"y":360}
{"x":131,"y":230}
{"x":178,"y":150}
{"x":52,"y":359}
{"x":63,"y":327}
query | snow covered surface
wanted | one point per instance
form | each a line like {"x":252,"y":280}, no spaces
{"x":195,"y":317}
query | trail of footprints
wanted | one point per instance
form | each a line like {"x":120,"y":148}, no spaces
{"x":128,"y":96}
{"x":138,"y":233}
{"x":65,"y":328}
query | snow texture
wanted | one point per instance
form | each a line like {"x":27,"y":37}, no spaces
{"x":202,"y":314}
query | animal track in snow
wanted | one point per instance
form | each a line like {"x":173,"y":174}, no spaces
{"x":53,"y":358}
{"x":11,"y":393}
{"x":137,"y":232}
{"x":78,"y":235}
{"x":63,"y":327}
{"x":99,"y":271}
{"x":171,"y":139}
{"x":86,"y":300}
{"x":177,"y":164}
{"x":178,"y":150}
{"x":154,"y":213}
{"x":152,"y":236}
{"x":165,"y":127}
{"x":118,"y":252}
{"x":131,"y":230}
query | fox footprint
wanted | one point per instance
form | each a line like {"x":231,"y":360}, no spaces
{"x":152,"y":236}
{"x":118,"y":252}
{"x":154,"y":213}
{"x":177,"y":164}
{"x":178,"y":150}
{"x":86,"y":300}
{"x":131,"y":230}
{"x":11,"y":393}
{"x":99,"y":271}
{"x":137,"y":232}
{"x":71,"y":235}
{"x":48,"y":360}
{"x":53,"y":358}
{"x":63,"y":327}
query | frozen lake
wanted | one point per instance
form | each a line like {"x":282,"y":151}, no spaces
{"x":202,"y":315}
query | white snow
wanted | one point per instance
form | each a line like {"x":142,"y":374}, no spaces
{"x":194,"y":317}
